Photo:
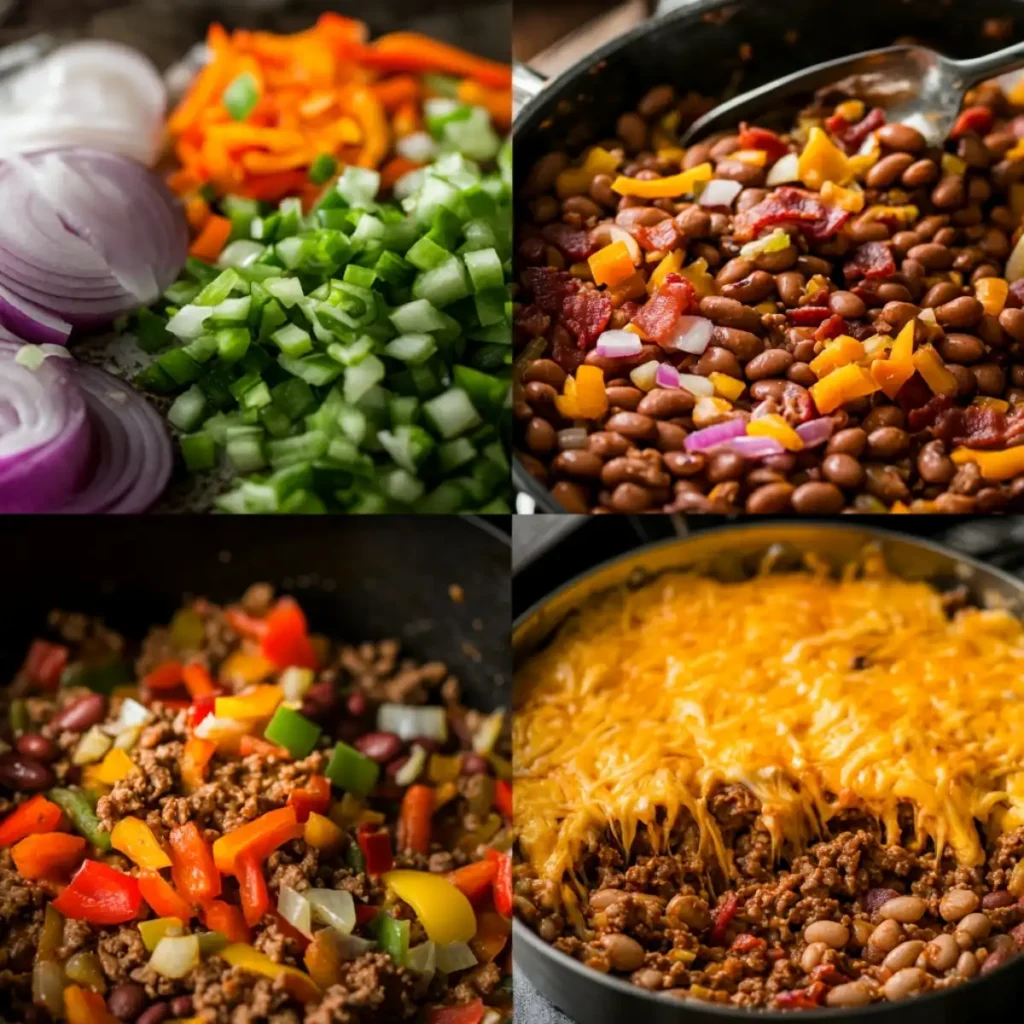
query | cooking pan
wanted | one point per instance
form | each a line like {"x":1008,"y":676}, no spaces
{"x":736,"y":552}
{"x":357,"y":578}
{"x":697,"y":46}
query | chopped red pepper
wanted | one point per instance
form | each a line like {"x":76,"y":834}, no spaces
{"x":809,"y":316}
{"x":574,"y":243}
{"x":192,"y":866}
{"x":376,"y":847}
{"x":100,"y":894}
{"x":471,"y":1013}
{"x":802,"y":998}
{"x":34,"y":816}
{"x":201,"y":707}
{"x":502,"y":881}
{"x":973,"y":119}
{"x":45,"y":663}
{"x":47,"y":856}
{"x":830,"y":328}
{"x":586,"y":315}
{"x":503,"y":798}
{"x":817,"y":219}
{"x":658,"y":317}
{"x":166,"y":676}
{"x":475,"y":880}
{"x":244,"y":624}
{"x":197,"y":681}
{"x":227,"y":919}
{"x":871,"y":260}
{"x":752,"y":137}
{"x":252,"y":888}
{"x":286,"y":640}
{"x":723,"y":916}
{"x":850,"y":137}
{"x":746,"y":942}
{"x":414,"y":819}
{"x":315,"y":797}
{"x":160,"y":895}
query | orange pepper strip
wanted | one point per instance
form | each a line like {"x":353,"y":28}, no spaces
{"x":612,"y":265}
{"x":270,"y":163}
{"x":397,"y":167}
{"x":46,"y":855}
{"x":406,"y":120}
{"x":212,"y":239}
{"x":257,"y":838}
{"x":227,"y":919}
{"x":166,"y":676}
{"x":1004,"y":465}
{"x":186,"y":180}
{"x":197,"y":210}
{"x":842,"y":386}
{"x":497,"y":102}
{"x":194,"y":761}
{"x":34,"y":817}
{"x":474,"y":880}
{"x":193,"y":868}
{"x":492,"y":934}
{"x":208,"y":88}
{"x":252,"y":889}
{"x":83,"y":1006}
{"x":363,"y":105}
{"x":160,"y":895}
{"x":394,"y":92}
{"x":241,"y":136}
{"x":410,"y":51}
{"x":197,"y":681}
{"x":414,"y":819}
{"x":892,"y":373}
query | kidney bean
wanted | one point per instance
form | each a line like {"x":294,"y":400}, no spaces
{"x":996,"y":900}
{"x":817,"y":498}
{"x":920,"y":173}
{"x":37,"y":746}
{"x":770,"y":498}
{"x":319,"y":700}
{"x":80,"y":714}
{"x":665,"y":403}
{"x":379,"y":746}
{"x":19,"y":772}
{"x":962,"y":312}
{"x":725,"y":312}
{"x":126,"y":1002}
{"x":546,"y":371}
{"x":631,"y":498}
{"x":742,"y":344}
{"x":571,"y":496}
{"x":156,"y":1014}
{"x":888,"y":170}
{"x":356,"y":704}
{"x":1002,"y":953}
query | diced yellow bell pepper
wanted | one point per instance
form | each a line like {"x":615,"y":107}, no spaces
{"x":992,"y":293}
{"x":901,"y":214}
{"x":836,"y":353}
{"x":850,"y":110}
{"x":591,"y":398}
{"x":1004,"y":465}
{"x":817,"y":283}
{"x":892,"y":373}
{"x":952,"y":164}
{"x":851,"y":199}
{"x":256,"y":703}
{"x":774,"y":426}
{"x":321,"y":832}
{"x":754,"y":157}
{"x":611,"y":265}
{"x":844,"y":385}
{"x":988,"y":402}
{"x":822,"y":160}
{"x":575,"y":181}
{"x":117,"y":765}
{"x":929,"y":364}
{"x":876,"y":347}
{"x":663,"y":188}
{"x":445,"y":794}
{"x":669,"y":264}
{"x":244,"y":669}
{"x":135,"y":839}
{"x":248,"y":958}
{"x":157,"y":928}
{"x":445,"y":913}
{"x":726,"y":386}
{"x":861,"y":163}
{"x":444,"y":769}
{"x":708,"y":410}
{"x":697,"y":274}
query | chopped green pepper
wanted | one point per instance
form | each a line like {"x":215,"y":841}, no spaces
{"x":296,"y":733}
{"x":76,"y":806}
{"x":241,"y":96}
{"x":393,"y":936}
{"x":352,"y":771}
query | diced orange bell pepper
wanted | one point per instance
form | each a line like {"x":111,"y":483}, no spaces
{"x":836,"y":353}
{"x":248,"y":958}
{"x":192,"y":864}
{"x":197,"y":681}
{"x":210,"y":242}
{"x":474,"y":880}
{"x":822,"y":160}
{"x":254,"y":704}
{"x":992,"y":293}
{"x":612,"y":265}
{"x":315,"y":796}
{"x":929,"y":364}
{"x":244,"y":668}
{"x":843,"y":385}
{"x":83,"y":1006}
{"x":396,"y":168}
{"x":34,"y":817}
{"x":1002,"y":465}
{"x":492,"y":935}
{"x":166,"y":676}
{"x":227,"y":919}
{"x":285,"y":641}
{"x":845,"y":198}
{"x":114,"y":767}
{"x":257,"y":838}
{"x":892,"y":373}
{"x":194,"y":761}
{"x":323,"y":958}
{"x":160,"y":895}
{"x":414,"y":819}
{"x":591,"y":397}
{"x":321,"y":833}
{"x":135,"y":839}
{"x":663,"y":188}
{"x":48,"y":855}
{"x":774,"y":426}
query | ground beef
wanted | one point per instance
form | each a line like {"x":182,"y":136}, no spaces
{"x":372,"y":989}
{"x":21,"y":917}
{"x":122,"y":952}
{"x":233,"y":996}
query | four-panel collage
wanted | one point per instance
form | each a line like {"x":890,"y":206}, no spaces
{"x":447,"y":463}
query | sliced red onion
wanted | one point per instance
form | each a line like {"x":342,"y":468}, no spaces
{"x":666,"y":376}
{"x":815,"y":432}
{"x":717,"y":434}
{"x":720,"y":192}
{"x":132,"y":453}
{"x":755,"y":447}
{"x":619,"y":344}
{"x":691,"y":334}
{"x":44,"y":431}
{"x":572,"y":438}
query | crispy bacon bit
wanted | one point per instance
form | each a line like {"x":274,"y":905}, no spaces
{"x":922,"y":417}
{"x":789,"y":205}
{"x":809,"y":316}
{"x":797,"y":405}
{"x":746,"y":942}
{"x":574,"y":243}
{"x":659,"y":238}
{"x":870,"y":260}
{"x":831,"y":328}
{"x":850,"y":137}
{"x":913,"y":394}
{"x":973,"y":119}
{"x":978,"y":426}
{"x":829,"y":974}
{"x":659,"y":314}
{"x":723,"y":916}
{"x":549,"y":287}
{"x":566,"y":352}
{"x":531,"y":250}
{"x":762,"y":138}
{"x":532,"y":321}
{"x":586,"y":314}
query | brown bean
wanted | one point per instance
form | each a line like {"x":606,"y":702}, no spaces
{"x":126,"y":1002}
{"x":379,"y":746}
{"x":671,"y":437}
{"x":735,"y":270}
{"x":843,"y":470}
{"x":932,"y":256}
{"x":623,"y":397}
{"x":571,"y":496}
{"x":903,"y":241}
{"x":541,"y":177}
{"x":777,"y":261}
{"x":934,"y":465}
{"x":846,"y":304}
{"x":727,"y":312}
{"x":726,"y":466}
{"x":888,"y":170}
{"x":694,"y":222}
{"x":949,"y":504}
{"x":769,"y":499}
{"x":632,"y":130}
{"x":893,"y":291}
{"x":1012,"y":321}
{"x":685,"y":464}
{"x":990,"y":378}
{"x":899,"y":313}
{"x":656,"y":101}
{"x":540,"y":435}
{"x":790,"y":286}
{"x":742,"y":344}
{"x":80,"y":714}
{"x":582,"y":206}
{"x":939,"y":294}
{"x":606,"y":444}
{"x":882,"y":416}
{"x":817,"y":498}
{"x":905,"y":909}
{"x":994,"y":244}
{"x":773,"y":362}
{"x":998,"y":899}
{"x":628,"y":469}
{"x":904,"y":983}
{"x":765,"y":389}
{"x":614,"y":366}
{"x":633,"y":425}
{"x":961,"y":348}
{"x":864,"y":229}
{"x":920,"y":173}
{"x":37,"y":746}
{"x":973,"y":152}
{"x":547,"y":371}
{"x":802,"y":374}
{"x":665,"y":404}
{"x":601,"y":191}
{"x":852,"y":441}
{"x":962,"y":312}
{"x":749,"y":175}
{"x":577,"y":464}
{"x":832,"y":933}
{"x":949,"y":192}
{"x":541,"y":398}
{"x":631,"y":498}
{"x":719,"y":360}
{"x":887,"y":442}
{"x":157,"y":1013}
{"x":544,"y":209}
{"x":900,"y":136}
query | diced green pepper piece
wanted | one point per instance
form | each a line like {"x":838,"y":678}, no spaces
{"x":352,"y":771}
{"x":293,"y":731}
{"x":81,"y":815}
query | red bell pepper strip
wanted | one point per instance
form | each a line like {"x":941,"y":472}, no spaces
{"x":376,"y":847}
{"x":973,"y":119}
{"x":314,"y":797}
{"x":201,"y":707}
{"x":252,"y":889}
{"x":100,"y":894}
{"x":160,"y":895}
{"x":33,"y":817}
{"x":227,"y":919}
{"x":475,"y":880}
{"x":725,"y":913}
{"x":503,"y":798}
{"x":244,"y":624}
{"x":47,"y":856}
{"x":166,"y":676}
{"x":502,"y":881}
{"x":192,"y":865}
{"x":257,"y":838}
{"x":414,"y":819}
{"x":471,"y":1013}
{"x":286,"y":640}
{"x":45,"y":663}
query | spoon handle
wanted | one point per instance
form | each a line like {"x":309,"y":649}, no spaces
{"x":979,"y":68}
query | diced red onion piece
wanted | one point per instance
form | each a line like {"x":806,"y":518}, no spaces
{"x":691,"y":334}
{"x":572,"y":438}
{"x":715,"y":435}
{"x":666,"y":376}
{"x":815,"y":432}
{"x":619,"y":344}
{"x":720,"y":192}
{"x":755,"y":447}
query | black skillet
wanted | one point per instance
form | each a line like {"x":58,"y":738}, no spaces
{"x":731,"y":552}
{"x":698,"y":47}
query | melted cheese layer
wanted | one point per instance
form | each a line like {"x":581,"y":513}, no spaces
{"x":817,"y":694}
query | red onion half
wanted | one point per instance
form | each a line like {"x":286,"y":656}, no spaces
{"x":95,"y":236}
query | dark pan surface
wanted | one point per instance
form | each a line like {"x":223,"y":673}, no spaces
{"x":358,"y":579}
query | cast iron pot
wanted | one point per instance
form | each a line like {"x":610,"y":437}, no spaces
{"x":358,"y":578}
{"x":697,"y":47}
{"x":736,"y":552}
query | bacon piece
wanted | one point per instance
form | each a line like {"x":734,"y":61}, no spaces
{"x":658,"y":316}
{"x":586,"y":314}
{"x":914,"y":394}
{"x":921,"y":418}
{"x":763,"y":139}
{"x":850,"y":137}
{"x":809,"y":316}
{"x":870,"y":260}
{"x":549,"y":287}
{"x":574,"y":243}
{"x":788,"y":205}
{"x":532,"y":321}
{"x":659,"y":238}
{"x":566,"y":352}
{"x":831,"y":328}
{"x":979,"y":427}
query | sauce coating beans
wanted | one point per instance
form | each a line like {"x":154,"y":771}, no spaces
{"x":784,"y":320}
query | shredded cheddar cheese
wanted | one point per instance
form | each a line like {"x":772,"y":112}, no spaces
{"x":817,"y":694}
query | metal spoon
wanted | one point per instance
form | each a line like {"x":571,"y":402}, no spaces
{"x":913,"y":84}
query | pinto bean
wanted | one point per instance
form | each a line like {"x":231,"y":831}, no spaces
{"x":888,"y":170}
{"x":904,"y":909}
{"x":665,"y":403}
{"x":962,"y":312}
{"x":726,"y":312}
{"x":742,"y":344}
{"x":577,"y":464}
{"x":770,"y":498}
{"x":571,"y":496}
{"x":904,"y":983}
{"x":773,"y":362}
{"x":831,"y":933}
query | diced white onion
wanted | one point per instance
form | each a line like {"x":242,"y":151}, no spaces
{"x":490,"y":729}
{"x":295,"y":682}
{"x":643,"y":375}
{"x":491,"y":1017}
{"x":127,"y":739}
{"x":213,"y":728}
{"x":572,"y":438}
{"x":296,"y":910}
{"x":696,"y":385}
{"x":785,"y":169}
{"x":240,"y":253}
{"x":91,"y":747}
{"x":351,"y":947}
{"x":691,"y":334}
{"x":1015,"y":264}
{"x":334,"y":907}
{"x":455,"y":956}
{"x":423,"y":959}
{"x":410,"y":771}
{"x":419,"y":147}
{"x":720,"y":192}
{"x":175,"y":956}
{"x":409,"y":722}
{"x":618,"y":344}
{"x":130,"y":715}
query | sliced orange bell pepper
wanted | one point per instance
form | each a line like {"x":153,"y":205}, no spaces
{"x":841,"y":386}
{"x":256,"y":838}
{"x":135,"y":839}
{"x":410,"y":51}
{"x":929,"y":364}
{"x":393,"y":92}
{"x":396,"y":168}
{"x":663,"y":188}
{"x":497,"y":102}
{"x":474,"y":880}
{"x":492,"y":935}
{"x":892,"y":373}
{"x":1004,"y":465}
{"x":822,"y":160}
{"x":227,"y":919}
{"x":252,"y":889}
{"x":366,"y":108}
{"x":197,"y":681}
{"x":503,"y":797}
{"x":47,"y":855}
{"x":612,"y":265}
{"x":36,"y":815}
{"x":166,"y":676}
{"x":252,"y":705}
{"x":192,"y":864}
{"x":248,"y":958}
{"x":212,"y":239}
{"x":244,"y":668}
{"x":194,"y":761}
{"x":414,"y":819}
{"x":774,"y":426}
{"x":160,"y":895}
